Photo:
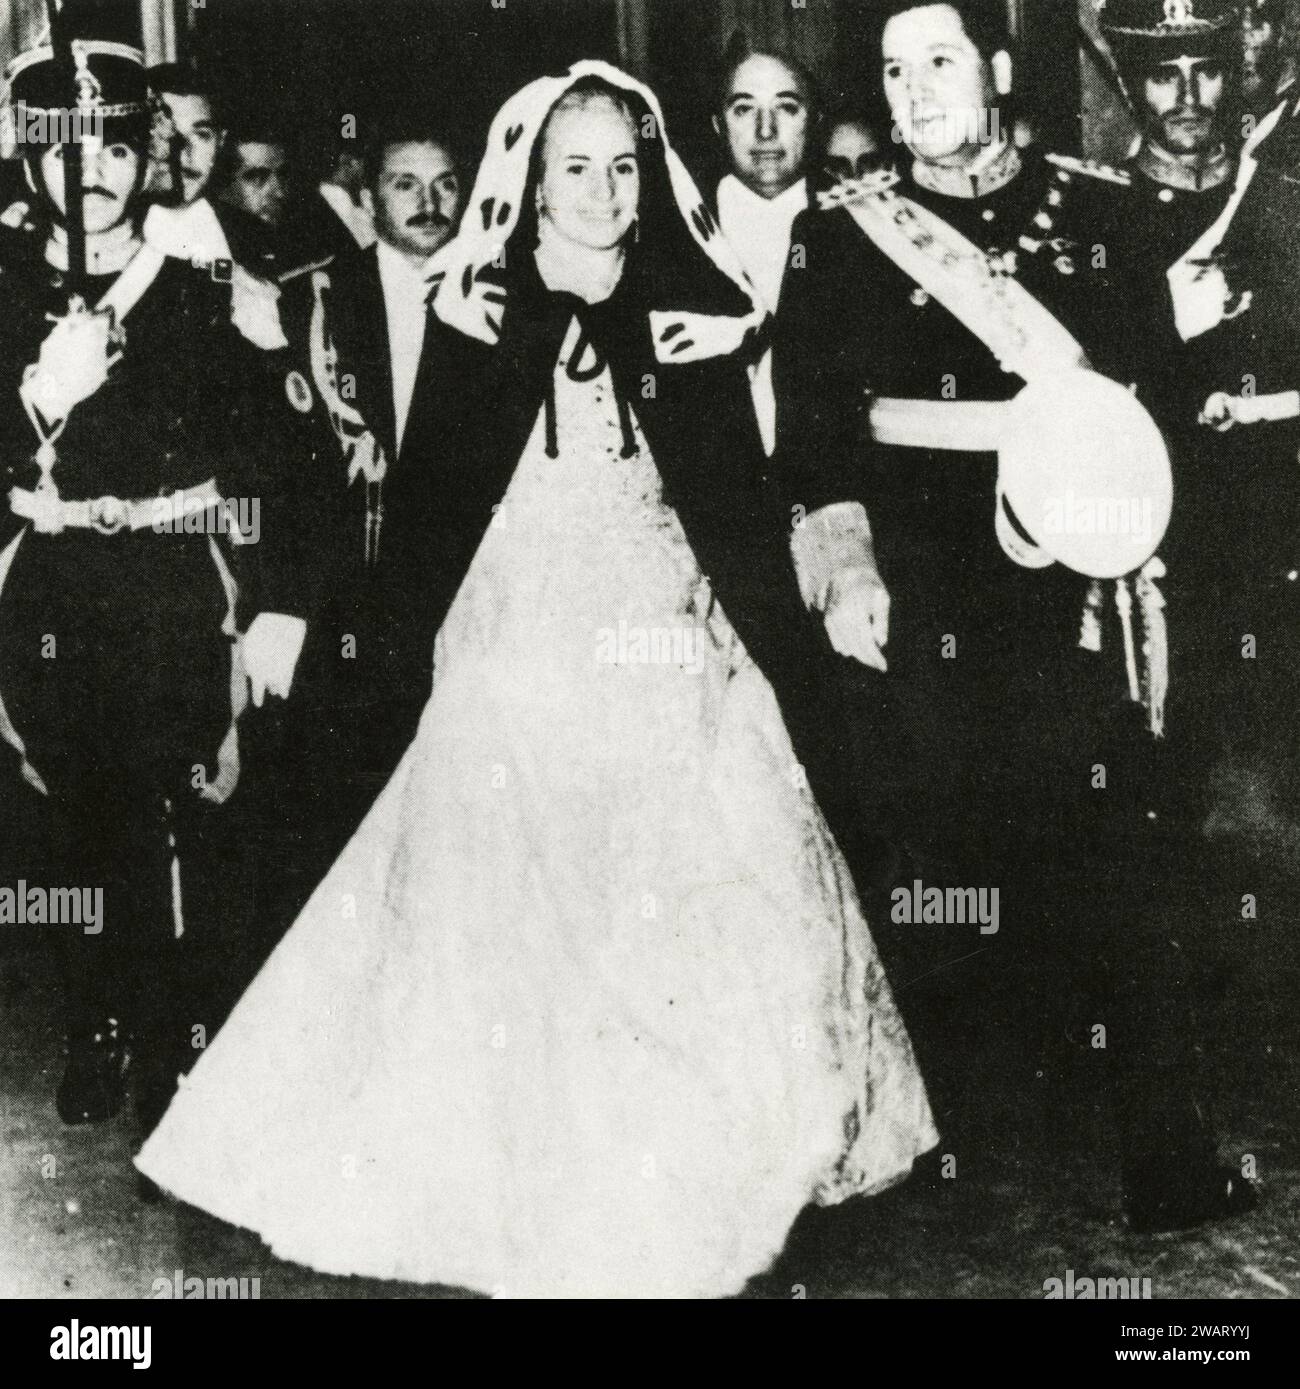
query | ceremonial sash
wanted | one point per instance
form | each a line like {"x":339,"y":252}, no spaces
{"x":1028,"y":341}
{"x":1196,"y":284}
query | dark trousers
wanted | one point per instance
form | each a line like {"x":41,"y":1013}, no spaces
{"x":1090,"y":979}
{"x":116,"y":674}
{"x":318,"y":761}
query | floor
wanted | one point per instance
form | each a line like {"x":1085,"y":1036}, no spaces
{"x":1031,"y":1193}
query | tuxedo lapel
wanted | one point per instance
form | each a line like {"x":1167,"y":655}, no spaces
{"x":360,"y":327}
{"x":421,"y":417}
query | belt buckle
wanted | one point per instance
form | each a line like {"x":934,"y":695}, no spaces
{"x":108,"y":515}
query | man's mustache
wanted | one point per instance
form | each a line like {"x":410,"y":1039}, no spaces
{"x":427,"y":219}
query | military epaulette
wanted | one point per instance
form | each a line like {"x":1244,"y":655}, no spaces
{"x":849,"y":190}
{"x":1091,"y":168}
{"x":300,"y":270}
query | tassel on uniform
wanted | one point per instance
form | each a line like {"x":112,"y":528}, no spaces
{"x":178,"y":915}
{"x":1124,"y":605}
{"x":1149,"y":685}
{"x":1155,"y":644}
{"x":1090,"y":625}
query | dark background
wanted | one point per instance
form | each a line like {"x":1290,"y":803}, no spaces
{"x":305,"y":64}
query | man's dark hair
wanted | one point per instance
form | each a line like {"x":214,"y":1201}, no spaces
{"x":248,"y":129}
{"x":985,"y":21}
{"x":409,"y":129}
{"x":179,"y":79}
{"x":739,"y":51}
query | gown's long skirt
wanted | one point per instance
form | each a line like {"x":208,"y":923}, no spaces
{"x":588,"y":1005}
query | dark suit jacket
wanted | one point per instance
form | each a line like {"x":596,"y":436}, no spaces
{"x":367,"y":602}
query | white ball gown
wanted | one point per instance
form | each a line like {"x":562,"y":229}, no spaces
{"x":588,"y":1006}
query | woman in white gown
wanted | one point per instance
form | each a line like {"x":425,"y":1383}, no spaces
{"x":588,"y":1006}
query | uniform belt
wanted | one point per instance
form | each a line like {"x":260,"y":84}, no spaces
{"x":108,"y":515}
{"x":966,"y":426}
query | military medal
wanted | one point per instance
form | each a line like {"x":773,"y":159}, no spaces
{"x":298,"y":391}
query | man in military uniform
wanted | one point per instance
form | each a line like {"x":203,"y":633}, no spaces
{"x":360,"y":335}
{"x":1230,"y":605}
{"x":1268,"y":71}
{"x":1245,"y":373}
{"x":133,"y":455}
{"x":191,"y":130}
{"x":1009,"y":683}
{"x":1180,"y":64}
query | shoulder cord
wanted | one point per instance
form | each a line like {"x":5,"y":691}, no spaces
{"x":361,"y":450}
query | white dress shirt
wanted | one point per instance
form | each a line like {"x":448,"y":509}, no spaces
{"x":405,"y":291}
{"x":759,"y":231}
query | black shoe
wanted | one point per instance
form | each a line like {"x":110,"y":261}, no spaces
{"x":1157,"y":1201}
{"x":93,"y":1087}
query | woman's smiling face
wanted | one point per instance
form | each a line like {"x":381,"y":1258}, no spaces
{"x":591,"y":175}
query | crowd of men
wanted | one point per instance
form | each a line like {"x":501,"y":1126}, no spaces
{"x":276,"y":347}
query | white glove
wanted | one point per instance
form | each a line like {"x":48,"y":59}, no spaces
{"x":857,"y":616}
{"x":1200,"y":297}
{"x":1219,"y":412}
{"x":272,"y":646}
{"x":1222,"y":411}
{"x":74,"y":363}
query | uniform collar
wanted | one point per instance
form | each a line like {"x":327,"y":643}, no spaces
{"x":107,"y":253}
{"x":992,"y":170}
{"x":1165,"y":168}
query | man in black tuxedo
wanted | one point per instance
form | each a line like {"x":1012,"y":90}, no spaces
{"x":191,"y":133}
{"x":358,"y":331}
